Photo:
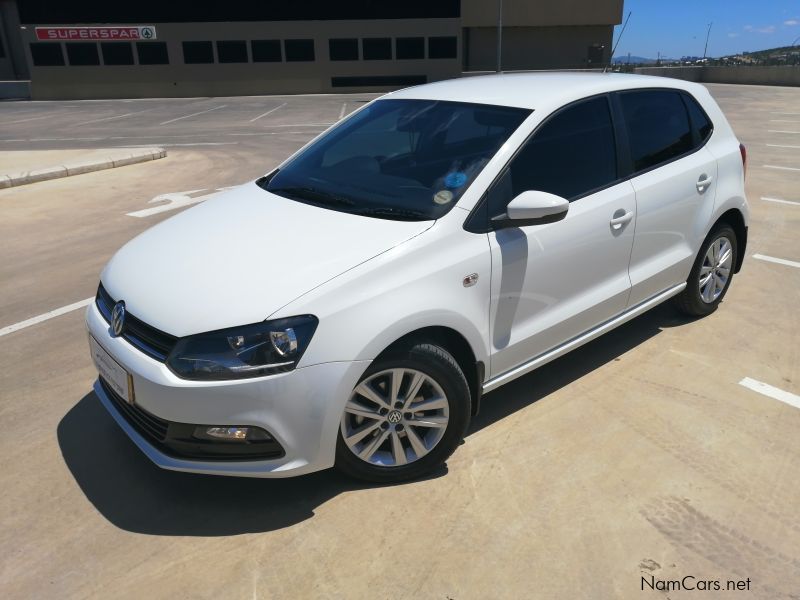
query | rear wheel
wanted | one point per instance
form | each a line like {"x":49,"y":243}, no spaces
{"x":711,"y":274}
{"x":405,"y":417}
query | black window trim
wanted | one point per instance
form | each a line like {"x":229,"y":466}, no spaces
{"x":696,"y":144}
{"x":481,"y":223}
{"x":477,"y":222}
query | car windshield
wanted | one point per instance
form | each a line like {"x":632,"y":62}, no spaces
{"x":398,"y":159}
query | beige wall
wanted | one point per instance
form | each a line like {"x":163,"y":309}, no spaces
{"x":773,"y":75}
{"x":519,"y":13}
{"x":534,"y":47}
{"x":178,"y":79}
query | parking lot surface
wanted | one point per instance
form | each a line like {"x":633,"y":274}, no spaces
{"x":665,"y":449}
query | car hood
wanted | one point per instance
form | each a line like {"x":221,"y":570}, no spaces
{"x":239,"y":257}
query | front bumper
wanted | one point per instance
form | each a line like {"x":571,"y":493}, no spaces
{"x":301,"y":409}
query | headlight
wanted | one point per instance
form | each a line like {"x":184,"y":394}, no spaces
{"x":240,"y":352}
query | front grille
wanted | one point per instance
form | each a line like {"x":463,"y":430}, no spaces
{"x":153,"y":342}
{"x":150,"y":426}
{"x":177,"y":439}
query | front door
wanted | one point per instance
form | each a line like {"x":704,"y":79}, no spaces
{"x":552,"y":282}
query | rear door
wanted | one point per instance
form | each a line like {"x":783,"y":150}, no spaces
{"x":675,"y":183}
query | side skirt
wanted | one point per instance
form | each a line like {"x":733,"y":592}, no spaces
{"x":580,"y":340}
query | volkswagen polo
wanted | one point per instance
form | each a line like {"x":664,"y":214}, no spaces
{"x":351,"y":307}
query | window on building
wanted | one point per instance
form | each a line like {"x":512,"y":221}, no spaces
{"x":152,"y":53}
{"x":409,"y":47}
{"x":117,"y":53}
{"x":571,"y":154}
{"x":47,"y":54}
{"x":198,"y":53}
{"x":658,"y":127}
{"x":701,"y":124}
{"x":377,"y":48}
{"x":299,"y":50}
{"x":81,"y":54}
{"x":343,"y":49}
{"x":232,"y":51}
{"x":266,"y":50}
{"x":2,"y":48}
{"x":442,"y":47}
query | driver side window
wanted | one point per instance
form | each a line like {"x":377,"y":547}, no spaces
{"x":572,"y":154}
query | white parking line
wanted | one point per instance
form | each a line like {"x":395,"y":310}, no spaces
{"x":341,"y":112}
{"x":781,"y":131}
{"x":48,"y":315}
{"x":781,"y":146}
{"x":783,"y":121}
{"x":31,"y":119}
{"x":130,"y":114}
{"x":185,"y":144}
{"x":777,"y":261}
{"x":786,"y":113}
{"x":780,"y":201}
{"x":771,"y":391}
{"x":268,"y":112}
{"x":781,"y":168}
{"x":202,"y":112}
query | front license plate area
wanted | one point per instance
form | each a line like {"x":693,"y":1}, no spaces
{"x":117,"y":378}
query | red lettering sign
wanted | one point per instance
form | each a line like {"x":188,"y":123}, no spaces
{"x":57,"y":34}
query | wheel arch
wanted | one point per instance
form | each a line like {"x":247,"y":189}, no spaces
{"x":735,"y":219}
{"x":456,"y":344}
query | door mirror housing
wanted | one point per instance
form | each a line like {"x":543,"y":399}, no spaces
{"x":532,"y":208}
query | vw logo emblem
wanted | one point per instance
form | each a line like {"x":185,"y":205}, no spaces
{"x":118,"y":318}
{"x":394,"y":417}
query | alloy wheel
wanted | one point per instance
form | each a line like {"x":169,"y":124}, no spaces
{"x":395,"y":417}
{"x":715,"y":270}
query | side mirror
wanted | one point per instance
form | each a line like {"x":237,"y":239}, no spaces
{"x":532,"y":208}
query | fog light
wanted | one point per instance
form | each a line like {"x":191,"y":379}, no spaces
{"x":226,"y":433}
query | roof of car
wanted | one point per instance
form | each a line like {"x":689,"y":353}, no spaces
{"x":529,"y":90}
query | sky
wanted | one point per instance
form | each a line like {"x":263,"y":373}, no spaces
{"x":678,"y":27}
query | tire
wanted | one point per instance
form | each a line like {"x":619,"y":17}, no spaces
{"x":691,"y":300}
{"x":436,"y":374}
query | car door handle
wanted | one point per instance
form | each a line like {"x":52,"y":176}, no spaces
{"x":704,"y":182}
{"x":618,"y":222}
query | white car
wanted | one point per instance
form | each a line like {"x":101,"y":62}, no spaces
{"x":350,"y":307}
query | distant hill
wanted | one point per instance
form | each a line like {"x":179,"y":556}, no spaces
{"x":770,"y":53}
{"x":634,"y":60}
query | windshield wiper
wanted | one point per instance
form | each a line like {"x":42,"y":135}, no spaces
{"x":314,"y":195}
{"x":400,"y":214}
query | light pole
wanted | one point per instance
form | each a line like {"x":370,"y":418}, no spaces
{"x":708,"y":33}
{"x":499,"y":35}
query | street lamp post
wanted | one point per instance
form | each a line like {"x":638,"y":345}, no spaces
{"x":708,"y":33}
{"x":499,"y":35}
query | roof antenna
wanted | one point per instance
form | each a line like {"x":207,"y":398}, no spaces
{"x":614,"y":49}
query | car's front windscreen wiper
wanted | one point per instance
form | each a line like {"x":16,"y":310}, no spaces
{"x":313,"y":195}
{"x":398,"y":214}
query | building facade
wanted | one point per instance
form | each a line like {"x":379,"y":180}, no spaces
{"x":94,"y":49}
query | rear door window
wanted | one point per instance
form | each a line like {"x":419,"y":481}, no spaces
{"x":658,"y":127}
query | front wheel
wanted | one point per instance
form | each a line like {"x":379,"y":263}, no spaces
{"x":711,"y":274}
{"x":405,"y":417}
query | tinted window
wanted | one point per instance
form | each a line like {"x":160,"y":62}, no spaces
{"x":152,"y":53}
{"x":82,"y":53}
{"x":47,"y":54}
{"x":117,"y":53}
{"x":232,"y":52}
{"x":197,"y":53}
{"x":399,"y":159}
{"x":658,"y":127}
{"x":266,"y":50}
{"x":701,"y":124}
{"x":442,"y":47}
{"x":299,"y":50}
{"x":413,"y":47}
{"x":344,"y":49}
{"x":571,"y":154}
{"x":377,"y":48}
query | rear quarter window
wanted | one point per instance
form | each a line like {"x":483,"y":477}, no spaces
{"x":701,"y":124}
{"x":658,"y":127}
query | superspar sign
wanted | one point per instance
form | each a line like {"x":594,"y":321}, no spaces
{"x":131,"y":32}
